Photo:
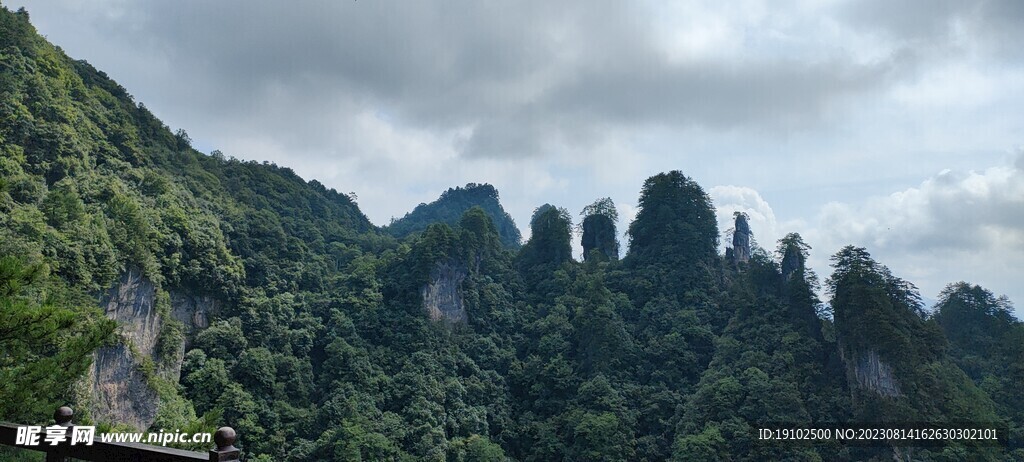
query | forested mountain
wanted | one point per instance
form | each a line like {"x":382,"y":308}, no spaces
{"x":213,"y":291}
{"x":449,"y":208}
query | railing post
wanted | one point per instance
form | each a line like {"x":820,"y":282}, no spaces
{"x":62,"y":416}
{"x":226,"y":450}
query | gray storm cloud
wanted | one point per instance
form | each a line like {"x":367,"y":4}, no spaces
{"x":991,"y":26}
{"x":523,"y":79}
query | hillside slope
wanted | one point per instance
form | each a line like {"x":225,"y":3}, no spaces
{"x":100,"y":194}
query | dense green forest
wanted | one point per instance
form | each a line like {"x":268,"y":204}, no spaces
{"x":438,"y":337}
{"x":450,"y":207}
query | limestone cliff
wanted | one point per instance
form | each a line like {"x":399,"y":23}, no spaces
{"x":119,"y":390}
{"x":118,"y":386}
{"x":867,"y":370}
{"x":192,"y":310}
{"x":442,"y":296}
{"x":792,"y":260}
{"x":741,"y":238}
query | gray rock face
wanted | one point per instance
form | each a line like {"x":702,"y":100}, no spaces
{"x":741,"y":239}
{"x":442,"y":296}
{"x":791,"y":261}
{"x":192,"y":310}
{"x":872,"y":373}
{"x":119,"y":391}
{"x":131,"y":303}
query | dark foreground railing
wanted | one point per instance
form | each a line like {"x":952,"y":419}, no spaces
{"x":101,"y":451}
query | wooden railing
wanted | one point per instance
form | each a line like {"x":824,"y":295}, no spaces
{"x":100,"y":451}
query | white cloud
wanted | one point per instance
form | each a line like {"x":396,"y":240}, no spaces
{"x":954,"y":226}
{"x":766,"y":227}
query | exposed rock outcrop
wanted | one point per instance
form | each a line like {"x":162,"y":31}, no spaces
{"x":869,"y":371}
{"x":792,"y":260}
{"x":192,"y":311}
{"x":442,"y":296}
{"x":119,"y":391}
{"x":741,"y":239}
{"x":131,"y":302}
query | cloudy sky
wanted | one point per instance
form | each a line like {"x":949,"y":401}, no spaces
{"x":897,"y":126}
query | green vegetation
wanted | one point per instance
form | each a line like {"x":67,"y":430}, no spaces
{"x":598,"y":231}
{"x":320,"y":347}
{"x":450,"y":207}
{"x":987,"y":343}
{"x":877,"y":313}
{"x":47,"y":334}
